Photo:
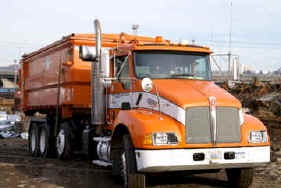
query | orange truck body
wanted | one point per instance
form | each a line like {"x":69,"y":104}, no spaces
{"x":40,"y":69}
{"x":55,"y":77}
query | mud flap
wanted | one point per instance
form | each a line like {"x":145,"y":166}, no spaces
{"x":88,"y":145}
{"x":136,"y":180}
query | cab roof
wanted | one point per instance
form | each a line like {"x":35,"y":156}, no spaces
{"x":135,"y":42}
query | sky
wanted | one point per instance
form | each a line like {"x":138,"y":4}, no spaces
{"x":255,"y":25}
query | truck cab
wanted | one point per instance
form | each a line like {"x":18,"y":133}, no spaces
{"x":175,"y":118}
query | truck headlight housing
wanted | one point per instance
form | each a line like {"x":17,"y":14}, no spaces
{"x":258,"y":137}
{"x":163,"y":138}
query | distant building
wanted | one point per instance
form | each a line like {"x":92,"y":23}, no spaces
{"x":8,"y":87}
{"x":246,"y":69}
{"x":9,"y":72}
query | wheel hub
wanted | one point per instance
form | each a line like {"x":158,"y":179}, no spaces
{"x":33,"y":140}
{"x":60,"y":142}
{"x":43,"y":141}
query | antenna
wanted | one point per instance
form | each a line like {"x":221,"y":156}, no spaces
{"x":135,"y":28}
{"x":193,"y":41}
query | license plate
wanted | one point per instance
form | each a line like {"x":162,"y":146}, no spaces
{"x":215,"y":155}
{"x":240,"y":155}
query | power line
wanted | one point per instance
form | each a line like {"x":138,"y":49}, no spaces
{"x":16,"y":42}
{"x":243,"y":47}
{"x":212,"y":43}
{"x":246,"y":42}
{"x":242,"y":44}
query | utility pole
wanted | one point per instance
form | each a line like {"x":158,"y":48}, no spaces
{"x":229,"y":39}
{"x":15,"y":71}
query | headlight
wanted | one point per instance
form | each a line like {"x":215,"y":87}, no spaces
{"x":241,"y":116}
{"x":163,"y":138}
{"x":257,"y":137}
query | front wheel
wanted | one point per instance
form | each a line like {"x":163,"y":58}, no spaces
{"x":128,"y":167}
{"x":240,"y":177}
{"x":128,"y":160}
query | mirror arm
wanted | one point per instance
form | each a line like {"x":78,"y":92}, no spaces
{"x":122,"y":67}
{"x":158,"y":100}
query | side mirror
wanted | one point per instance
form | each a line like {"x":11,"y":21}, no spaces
{"x":146,"y":84}
{"x":87,"y":53}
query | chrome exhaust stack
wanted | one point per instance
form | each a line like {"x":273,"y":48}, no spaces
{"x":97,"y":86}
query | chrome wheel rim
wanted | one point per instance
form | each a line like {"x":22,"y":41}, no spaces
{"x":33,"y":140}
{"x":42,"y":141}
{"x":60,"y":142}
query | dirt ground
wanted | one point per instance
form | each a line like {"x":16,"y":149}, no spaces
{"x":19,"y":169}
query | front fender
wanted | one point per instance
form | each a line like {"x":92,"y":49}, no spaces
{"x":252,"y":124}
{"x":141,"y":123}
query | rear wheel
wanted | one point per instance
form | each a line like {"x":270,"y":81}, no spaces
{"x":240,"y":177}
{"x":44,"y":141}
{"x":63,"y":142}
{"x":33,"y":140}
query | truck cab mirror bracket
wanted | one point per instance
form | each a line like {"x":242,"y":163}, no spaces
{"x":123,"y":64}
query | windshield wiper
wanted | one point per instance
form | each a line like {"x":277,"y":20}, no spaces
{"x":181,"y":74}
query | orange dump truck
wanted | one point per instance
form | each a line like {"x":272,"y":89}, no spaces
{"x":140,"y":104}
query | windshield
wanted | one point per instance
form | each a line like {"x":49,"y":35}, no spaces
{"x":170,"y":64}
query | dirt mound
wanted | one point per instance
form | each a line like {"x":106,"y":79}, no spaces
{"x":261,"y":98}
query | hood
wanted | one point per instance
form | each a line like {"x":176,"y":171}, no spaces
{"x":191,"y":93}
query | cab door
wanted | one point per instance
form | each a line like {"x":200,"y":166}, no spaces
{"x":121,"y":90}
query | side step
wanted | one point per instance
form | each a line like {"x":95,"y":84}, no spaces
{"x":102,"y":163}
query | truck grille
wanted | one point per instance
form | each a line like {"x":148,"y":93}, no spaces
{"x":198,"y":126}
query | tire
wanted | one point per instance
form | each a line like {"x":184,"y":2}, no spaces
{"x":33,"y":140}
{"x":240,"y":177}
{"x":45,"y":148}
{"x":64,"y":142}
{"x":127,"y":160}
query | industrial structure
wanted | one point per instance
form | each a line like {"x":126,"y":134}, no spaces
{"x":8,"y":87}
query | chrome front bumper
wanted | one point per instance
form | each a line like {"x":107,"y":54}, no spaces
{"x":182,"y":159}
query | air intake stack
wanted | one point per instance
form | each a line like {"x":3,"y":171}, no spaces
{"x":97,"y":86}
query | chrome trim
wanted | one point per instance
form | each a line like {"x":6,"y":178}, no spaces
{"x":149,"y":101}
{"x":213,"y":115}
{"x":182,"y":159}
{"x":97,"y":86}
{"x":202,"y":167}
{"x":103,"y":148}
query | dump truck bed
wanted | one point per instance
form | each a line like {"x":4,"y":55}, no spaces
{"x":53,"y":71}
